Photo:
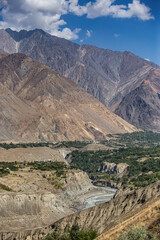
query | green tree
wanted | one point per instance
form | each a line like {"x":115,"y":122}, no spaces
{"x":75,"y":233}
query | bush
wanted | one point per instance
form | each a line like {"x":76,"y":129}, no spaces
{"x":137,"y":233}
{"x":75,"y":233}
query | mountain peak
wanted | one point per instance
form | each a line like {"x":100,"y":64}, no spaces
{"x":18,"y":36}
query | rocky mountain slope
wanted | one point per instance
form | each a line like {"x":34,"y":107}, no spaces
{"x":107,"y":75}
{"x":37,"y":104}
{"x":141,"y":107}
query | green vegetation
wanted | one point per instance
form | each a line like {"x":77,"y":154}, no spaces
{"x":137,"y":233}
{"x":25,"y":145}
{"x":67,"y":144}
{"x":5,"y":168}
{"x":75,"y":233}
{"x":140,"y":150}
{"x":59,"y":168}
{"x":136,"y":139}
{"x":144,"y":164}
{"x":4,"y":187}
{"x":74,"y":144}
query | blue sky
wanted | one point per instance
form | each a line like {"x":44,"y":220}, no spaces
{"x":123,"y":25}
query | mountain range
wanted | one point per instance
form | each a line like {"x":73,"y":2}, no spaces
{"x":110,"y":76}
{"x":38,"y":104}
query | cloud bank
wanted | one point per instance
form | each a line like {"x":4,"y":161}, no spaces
{"x":48,"y":14}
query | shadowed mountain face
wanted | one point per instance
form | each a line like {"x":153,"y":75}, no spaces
{"x":107,"y":75}
{"x":141,"y":107}
{"x":38,"y":104}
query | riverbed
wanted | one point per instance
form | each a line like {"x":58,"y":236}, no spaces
{"x":101,"y":198}
{"x":100,"y":195}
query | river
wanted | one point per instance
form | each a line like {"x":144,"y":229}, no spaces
{"x":103,"y":196}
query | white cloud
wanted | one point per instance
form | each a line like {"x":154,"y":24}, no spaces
{"x":31,"y":14}
{"x":75,"y":8}
{"x":108,"y":8}
{"x":47,"y":14}
{"x":67,"y":33}
{"x":88,"y":33}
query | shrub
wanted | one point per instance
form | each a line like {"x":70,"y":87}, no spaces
{"x":75,"y":233}
{"x":137,"y":233}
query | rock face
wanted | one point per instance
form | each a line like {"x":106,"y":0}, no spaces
{"x":108,"y":75}
{"x":120,"y":169}
{"x":37,"y":104}
{"x":7,"y":44}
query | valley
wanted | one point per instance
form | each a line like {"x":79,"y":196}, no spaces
{"x":42,"y":190}
{"x":53,"y":189}
{"x":79,"y":139}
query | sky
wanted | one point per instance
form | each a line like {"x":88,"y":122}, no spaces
{"x":121,"y":25}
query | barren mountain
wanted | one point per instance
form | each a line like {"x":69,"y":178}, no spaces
{"x":107,"y":75}
{"x":141,"y":107}
{"x":16,"y":117}
{"x":38,"y":104}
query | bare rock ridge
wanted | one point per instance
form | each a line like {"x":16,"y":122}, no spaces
{"x":38,"y":104}
{"x":108,"y":75}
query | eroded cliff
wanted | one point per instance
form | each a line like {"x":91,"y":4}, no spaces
{"x":100,"y":217}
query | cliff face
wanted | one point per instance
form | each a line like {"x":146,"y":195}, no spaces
{"x":119,"y":169}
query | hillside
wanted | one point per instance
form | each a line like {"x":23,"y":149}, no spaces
{"x":107,"y":75}
{"x":38,"y":104}
{"x":141,"y":107}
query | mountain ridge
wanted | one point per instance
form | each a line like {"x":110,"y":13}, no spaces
{"x":107,"y":75}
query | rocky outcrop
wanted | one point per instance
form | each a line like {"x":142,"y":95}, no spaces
{"x":120,"y":169}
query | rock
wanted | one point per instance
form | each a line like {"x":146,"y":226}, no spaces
{"x":119,"y":169}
